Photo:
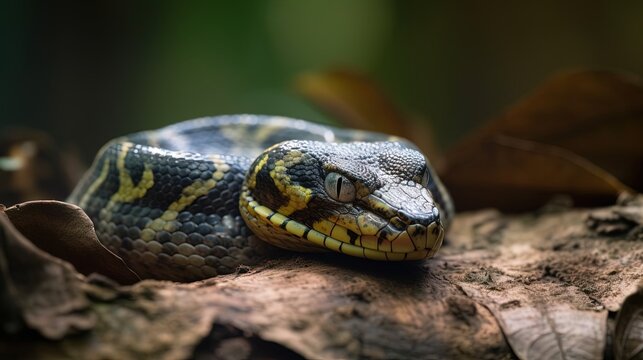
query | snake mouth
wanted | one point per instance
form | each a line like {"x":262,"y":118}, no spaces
{"x":415,"y":242}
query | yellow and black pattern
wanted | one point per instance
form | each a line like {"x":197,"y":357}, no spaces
{"x":192,"y":200}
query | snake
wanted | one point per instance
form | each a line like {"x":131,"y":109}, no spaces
{"x":204,"y":197}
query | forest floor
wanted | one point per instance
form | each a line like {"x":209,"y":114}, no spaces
{"x":547,"y":284}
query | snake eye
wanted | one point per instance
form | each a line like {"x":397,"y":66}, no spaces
{"x":425,"y":178}
{"x":339,"y":187}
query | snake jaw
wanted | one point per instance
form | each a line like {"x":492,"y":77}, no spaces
{"x":343,"y":234}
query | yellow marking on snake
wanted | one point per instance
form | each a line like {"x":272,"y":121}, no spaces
{"x":317,"y":235}
{"x":278,"y":219}
{"x":196,"y":190}
{"x":429,"y":231}
{"x":403,"y":243}
{"x":298,"y":196}
{"x":296,"y":228}
{"x":417,"y":255}
{"x":369,"y":241}
{"x":262,"y":211}
{"x":366,"y":224}
{"x":323,"y":226}
{"x":96,"y":184}
{"x":252,"y":180}
{"x":375,"y":255}
{"x":127,"y":191}
{"x":263,"y":132}
{"x":234,"y":132}
{"x":349,"y":222}
{"x":384,"y":245}
{"x":352,"y":250}
{"x":189,"y":194}
{"x":436,"y":244}
{"x":341,"y":233}
{"x":394,"y":256}
{"x":332,"y":244}
{"x":238,"y":134}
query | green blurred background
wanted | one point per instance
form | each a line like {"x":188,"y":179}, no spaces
{"x":89,"y":71}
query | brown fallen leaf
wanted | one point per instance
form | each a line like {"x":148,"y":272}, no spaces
{"x":593,"y":118}
{"x":518,"y":175}
{"x":595,"y":114}
{"x":38,"y":289}
{"x":628,"y":332}
{"x":64,"y":230}
{"x":554,"y":332}
{"x":358,"y":102}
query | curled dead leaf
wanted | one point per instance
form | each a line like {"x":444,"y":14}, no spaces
{"x":358,"y":102}
{"x":628,"y":332}
{"x":580,"y":135}
{"x":65,"y":231}
{"x":38,"y":289}
{"x":516,"y":174}
{"x":554,"y":332}
{"x":353,"y":99}
{"x":595,"y":114}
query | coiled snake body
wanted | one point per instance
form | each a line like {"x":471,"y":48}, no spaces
{"x":191,"y":200}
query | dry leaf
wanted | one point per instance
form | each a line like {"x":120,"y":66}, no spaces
{"x":358,"y":102}
{"x":64,"y":230}
{"x":45,"y":291}
{"x":554,"y":332}
{"x":517,"y":175}
{"x":570,"y":126}
{"x":595,"y":114}
{"x":628,"y":332}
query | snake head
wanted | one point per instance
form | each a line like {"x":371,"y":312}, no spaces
{"x":374,"y":200}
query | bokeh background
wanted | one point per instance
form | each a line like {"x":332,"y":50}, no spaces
{"x":88,"y":71}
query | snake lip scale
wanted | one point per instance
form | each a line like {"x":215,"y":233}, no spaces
{"x":199,"y":198}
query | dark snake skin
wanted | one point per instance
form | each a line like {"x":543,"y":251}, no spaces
{"x":198,"y":198}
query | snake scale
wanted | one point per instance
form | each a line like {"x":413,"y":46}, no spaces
{"x":199,"y":198}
